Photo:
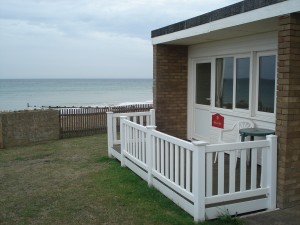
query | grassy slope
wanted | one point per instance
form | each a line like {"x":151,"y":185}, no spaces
{"x":72,"y":181}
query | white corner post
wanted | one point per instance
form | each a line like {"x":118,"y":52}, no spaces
{"x":123,"y":137}
{"x":152,"y":117}
{"x":272,"y":171}
{"x":149,"y":155}
{"x":110,"y":142}
{"x":199,"y":180}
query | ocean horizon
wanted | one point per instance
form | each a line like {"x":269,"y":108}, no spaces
{"x":18,"y":94}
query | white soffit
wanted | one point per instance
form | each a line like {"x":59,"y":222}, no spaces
{"x":251,"y":22}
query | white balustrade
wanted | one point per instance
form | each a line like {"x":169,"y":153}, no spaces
{"x":185,"y":172}
{"x":113,"y":126}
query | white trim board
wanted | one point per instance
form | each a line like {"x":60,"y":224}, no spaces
{"x":233,"y":23}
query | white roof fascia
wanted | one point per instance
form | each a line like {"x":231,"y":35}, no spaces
{"x":275,"y":10}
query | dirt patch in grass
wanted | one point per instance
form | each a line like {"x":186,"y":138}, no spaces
{"x":72,"y":181}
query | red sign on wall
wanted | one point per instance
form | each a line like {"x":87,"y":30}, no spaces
{"x":217,"y":121}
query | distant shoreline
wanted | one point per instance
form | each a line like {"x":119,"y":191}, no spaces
{"x":76,"y":79}
{"x":149,"y":102}
{"x":16,"y":94}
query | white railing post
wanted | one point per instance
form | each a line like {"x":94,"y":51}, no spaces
{"x":110,"y":142}
{"x":152,"y":117}
{"x":272,"y":171}
{"x":149,"y":157}
{"x":199,"y":180}
{"x":122,"y":137}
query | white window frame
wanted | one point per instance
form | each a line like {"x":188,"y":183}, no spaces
{"x":257,"y":113}
{"x":241,"y":56}
{"x":252,"y":112}
{"x":234,"y":109}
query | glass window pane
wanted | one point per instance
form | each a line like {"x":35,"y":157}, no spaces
{"x":203,"y":71}
{"x":224,"y":82}
{"x":242,"y":83}
{"x":266,"y":86}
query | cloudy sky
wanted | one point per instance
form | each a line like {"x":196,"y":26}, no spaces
{"x":87,"y":38}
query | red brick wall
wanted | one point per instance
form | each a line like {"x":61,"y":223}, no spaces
{"x":170,"y":88}
{"x":288,"y":111}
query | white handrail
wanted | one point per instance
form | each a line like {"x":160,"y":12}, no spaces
{"x":113,"y":125}
{"x":184,"y":171}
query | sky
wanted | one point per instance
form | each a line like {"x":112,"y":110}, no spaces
{"x":87,"y":38}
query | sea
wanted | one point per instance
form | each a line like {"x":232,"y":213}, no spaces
{"x":20,"y":94}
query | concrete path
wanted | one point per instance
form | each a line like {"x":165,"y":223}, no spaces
{"x":290,"y":216}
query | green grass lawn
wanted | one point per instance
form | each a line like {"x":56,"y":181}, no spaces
{"x":72,"y":181}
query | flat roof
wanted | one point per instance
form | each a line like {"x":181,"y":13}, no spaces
{"x":240,"y":15}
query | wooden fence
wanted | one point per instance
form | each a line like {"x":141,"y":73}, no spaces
{"x":82,"y":121}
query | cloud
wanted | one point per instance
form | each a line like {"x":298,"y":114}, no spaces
{"x":95,"y":38}
{"x":50,"y":53}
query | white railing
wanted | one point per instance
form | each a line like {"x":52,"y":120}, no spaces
{"x":113,"y":127}
{"x":184,"y":171}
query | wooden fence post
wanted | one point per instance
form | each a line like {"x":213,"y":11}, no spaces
{"x":272,"y":171}
{"x":199,"y":180}
{"x":149,"y":155}
{"x":122,"y":137}
{"x":110,"y":142}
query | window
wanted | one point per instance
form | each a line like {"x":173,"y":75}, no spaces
{"x":224,"y":83}
{"x":224,"y":94}
{"x":242,"y":83}
{"x":233,"y":81}
{"x":203,"y":71}
{"x":266,"y":83}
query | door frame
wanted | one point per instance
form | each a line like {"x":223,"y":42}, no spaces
{"x":191,"y":103}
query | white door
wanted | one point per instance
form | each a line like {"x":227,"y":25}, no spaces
{"x":202,"y":100}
